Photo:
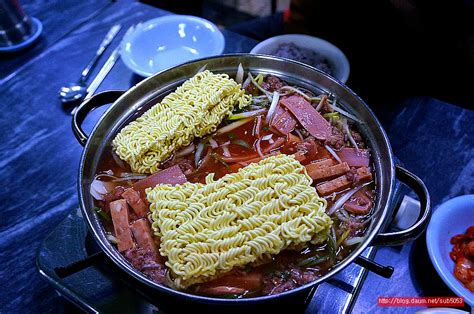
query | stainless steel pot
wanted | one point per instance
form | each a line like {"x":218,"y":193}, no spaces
{"x":127,"y":105}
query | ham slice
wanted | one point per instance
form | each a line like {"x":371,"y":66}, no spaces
{"x":324,"y":173}
{"x":142,"y":234}
{"x":335,"y":185}
{"x":359,"y":203}
{"x":135,"y":201}
{"x":120,"y":220}
{"x":322,"y":163}
{"x":283,"y":121}
{"x":233,"y":282}
{"x":172,"y":175}
{"x":353,"y":157}
{"x":308,"y":117}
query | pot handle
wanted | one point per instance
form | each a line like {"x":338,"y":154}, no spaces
{"x":87,"y":106}
{"x":401,"y":237}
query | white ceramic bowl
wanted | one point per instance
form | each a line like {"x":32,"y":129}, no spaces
{"x":336,"y":58}
{"x":167,"y":41}
{"x":449,"y":219}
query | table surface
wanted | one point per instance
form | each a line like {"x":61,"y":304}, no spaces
{"x":39,"y":155}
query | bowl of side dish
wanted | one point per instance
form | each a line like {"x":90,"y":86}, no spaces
{"x":166,"y":41}
{"x":450,"y":219}
{"x":311,"y":50}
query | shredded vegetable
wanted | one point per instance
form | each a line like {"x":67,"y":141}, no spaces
{"x":259,"y":87}
{"x":345,"y":113}
{"x":213,"y":143}
{"x":331,"y":115}
{"x":321,"y":102}
{"x":247,"y":114}
{"x":99,"y":188}
{"x":345,"y":128}
{"x":353,"y":241}
{"x":344,"y":198}
{"x":239,"y":77}
{"x":259,"y":148}
{"x":298,"y":132}
{"x":271,"y":111}
{"x":219,"y":159}
{"x":333,"y":153}
{"x":343,"y":237}
{"x":313,"y":261}
{"x":186,"y":151}
{"x":241,"y":143}
{"x":198,"y":153}
{"x":233,"y":126}
{"x":102,"y":214}
{"x":225,"y":151}
{"x":295,"y":90}
{"x":202,"y":69}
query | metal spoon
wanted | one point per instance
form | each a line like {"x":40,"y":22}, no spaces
{"x":74,"y":92}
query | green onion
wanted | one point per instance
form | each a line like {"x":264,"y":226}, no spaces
{"x":313,"y":260}
{"x":101,"y":213}
{"x":259,"y":79}
{"x":248,"y":114}
{"x":343,"y":237}
{"x":241,"y":143}
{"x":231,"y":296}
{"x":231,"y":135}
{"x":219,"y":159}
{"x":332,"y":246}
{"x":333,"y":115}
{"x":266,"y":128}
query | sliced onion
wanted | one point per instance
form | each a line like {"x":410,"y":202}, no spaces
{"x":213,"y":143}
{"x":275,"y":99}
{"x":246,"y":82}
{"x":202,"y":69}
{"x":226,"y":143}
{"x":271,"y":141}
{"x":99,"y":188}
{"x":258,"y":86}
{"x":169,"y":281}
{"x":131,"y":177}
{"x":233,"y":125}
{"x":353,"y":241}
{"x":344,"y":198}
{"x":342,"y":218}
{"x":258,"y":126}
{"x":295,"y":90}
{"x":184,"y":152}
{"x":198,"y":153}
{"x":345,"y":128}
{"x":247,"y":114}
{"x":118,"y":161}
{"x":259,"y":148}
{"x":345,"y":113}
{"x":225,"y":151}
{"x":267,"y":137}
{"x":106,"y":175}
{"x":333,"y":153}
{"x":299,"y":135}
{"x":321,"y":102}
{"x":112,"y":239}
{"x":239,"y":77}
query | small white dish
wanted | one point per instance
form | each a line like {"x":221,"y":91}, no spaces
{"x":335,"y":57}
{"x":170,"y":40}
{"x":449,"y":219}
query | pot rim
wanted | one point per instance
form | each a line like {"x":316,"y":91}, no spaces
{"x":120,"y":261}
